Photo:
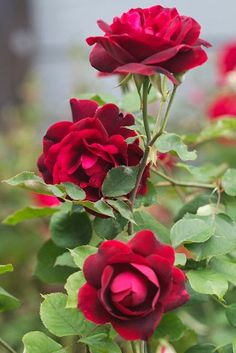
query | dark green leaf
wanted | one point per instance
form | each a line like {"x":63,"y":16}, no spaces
{"x":109,"y":228}
{"x":29,"y":213}
{"x":100,"y":343}
{"x":45,"y":269}
{"x":120,"y":181}
{"x":100,"y":207}
{"x":231,"y":314}
{"x":223,"y":265}
{"x":70,"y":229}
{"x":122,"y":207}
{"x":74,"y":191}
{"x":202,"y":348}
{"x":170,"y":328}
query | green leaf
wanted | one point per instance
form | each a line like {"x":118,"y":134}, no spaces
{"x":8,"y":301}
{"x":231,"y":314}
{"x":100,"y":343}
{"x":72,"y":286}
{"x":32,"y":182}
{"x":208,"y":282}
{"x":120,"y":181}
{"x":229,"y":182}
{"x":38,"y":342}
{"x":222,"y":242}
{"x":122,"y":207}
{"x":170,"y":328}
{"x":62,"y":321}
{"x":180,"y":259}
{"x":109,"y":228}
{"x":191,"y":231}
{"x":172,"y":142}
{"x":224,"y":266}
{"x":74,"y":191}
{"x":100,"y":207}
{"x":6,"y":268}
{"x":226,"y":349}
{"x":80,"y":254}
{"x":101,"y":98}
{"x":202,"y":348}
{"x":45,"y":269}
{"x":29,"y":213}
{"x":65,"y":260}
{"x":70,"y":229}
{"x":144,"y":220}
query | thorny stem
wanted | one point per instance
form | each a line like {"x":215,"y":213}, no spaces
{"x":149,"y":141}
{"x":6,"y":346}
{"x":173,"y":182}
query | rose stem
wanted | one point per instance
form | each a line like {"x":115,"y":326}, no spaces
{"x":6,"y":346}
{"x":149,"y":141}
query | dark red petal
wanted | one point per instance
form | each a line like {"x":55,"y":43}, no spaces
{"x":56,"y":133}
{"x":89,"y":304}
{"x":145,"y":243}
{"x":186,"y":60}
{"x":147,"y":272}
{"x":178,"y":295}
{"x":95,"y":264}
{"x":101,"y":60}
{"x":163,"y":270}
{"x":140,"y":328}
{"x":108,"y":114}
{"x":164,"y":55}
{"x":82,"y":108}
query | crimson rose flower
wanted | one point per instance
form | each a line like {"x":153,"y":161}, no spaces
{"x":147,"y":41}
{"x":83,"y":151}
{"x":131,"y":285}
{"x":227,"y":60}
{"x":223,"y":106}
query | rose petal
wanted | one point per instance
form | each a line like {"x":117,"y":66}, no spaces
{"x":82,"y":108}
{"x":89,"y":304}
{"x":101,"y":60}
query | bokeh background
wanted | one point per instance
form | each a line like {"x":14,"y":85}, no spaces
{"x":44,"y":62}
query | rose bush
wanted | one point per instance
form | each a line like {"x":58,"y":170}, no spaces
{"x":83,"y":151}
{"x":133,"y":285}
{"x":147,"y":41}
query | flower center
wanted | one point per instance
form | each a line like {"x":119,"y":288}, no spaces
{"x":128,"y":289}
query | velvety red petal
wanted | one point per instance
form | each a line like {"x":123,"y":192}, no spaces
{"x":164,"y":55}
{"x":101,"y":60}
{"x":145,"y":243}
{"x":108,"y":114}
{"x":89,"y":304}
{"x":139,"y":328}
{"x":178,"y":295}
{"x":56,"y":133}
{"x":82,"y":108}
{"x":95,"y":264}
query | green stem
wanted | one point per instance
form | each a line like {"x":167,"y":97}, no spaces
{"x":167,"y":113}
{"x":134,"y":348}
{"x":173,"y":182}
{"x":6,"y":346}
{"x":144,"y":105}
{"x":145,"y":346}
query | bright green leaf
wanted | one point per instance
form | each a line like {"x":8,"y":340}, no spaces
{"x":224,"y":266}
{"x":229,"y":182}
{"x":70,"y":229}
{"x":202,"y":348}
{"x":72,"y":286}
{"x":122,"y":207}
{"x":180,"y":259}
{"x":29,"y":213}
{"x":74,"y":191}
{"x":170,"y":328}
{"x":208,"y":282}
{"x":172,"y":142}
{"x":100,"y":343}
{"x":62,"y":321}
{"x":38,"y":342}
{"x":120,"y":181}
{"x":80,"y":254}
{"x":100,"y":207}
{"x":6,"y":268}
{"x":191,"y":231}
{"x":8,"y":301}
{"x":65,"y":260}
{"x":231,"y":314}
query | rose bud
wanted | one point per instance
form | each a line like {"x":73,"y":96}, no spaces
{"x":147,"y":41}
{"x":132,"y":285}
{"x":83,"y":151}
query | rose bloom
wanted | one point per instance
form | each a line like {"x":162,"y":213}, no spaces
{"x":131,"y":285}
{"x":83,"y":151}
{"x":223,"y":106}
{"x":147,"y":41}
{"x":227,"y":61}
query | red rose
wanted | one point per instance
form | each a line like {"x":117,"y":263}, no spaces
{"x":167,"y":160}
{"x":227,"y":60}
{"x":45,"y":200}
{"x":83,"y":151}
{"x":146,"y":41}
{"x":223,"y":106}
{"x":131,"y":285}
